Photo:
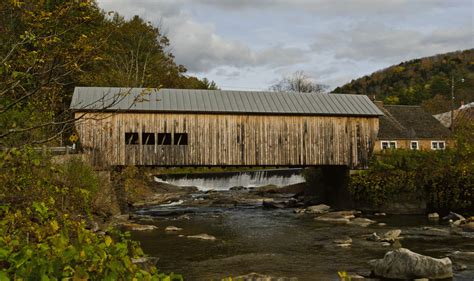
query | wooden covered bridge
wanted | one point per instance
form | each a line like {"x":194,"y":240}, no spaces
{"x":172,"y":127}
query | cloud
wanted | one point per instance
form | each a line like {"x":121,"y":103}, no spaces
{"x":372,"y":41}
{"x":341,"y":8}
{"x":247,"y":43}
{"x":197,"y":45}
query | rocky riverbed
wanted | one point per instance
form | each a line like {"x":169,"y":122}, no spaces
{"x":276,"y":232}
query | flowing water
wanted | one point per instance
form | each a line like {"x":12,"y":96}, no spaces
{"x":283,"y":244}
{"x":226,"y":180}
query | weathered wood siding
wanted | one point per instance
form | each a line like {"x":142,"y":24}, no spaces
{"x":230,"y":140}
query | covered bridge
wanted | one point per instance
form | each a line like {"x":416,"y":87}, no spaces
{"x":173,"y":127}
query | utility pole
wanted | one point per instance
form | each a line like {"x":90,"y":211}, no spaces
{"x":452,"y":103}
{"x":451,"y":127}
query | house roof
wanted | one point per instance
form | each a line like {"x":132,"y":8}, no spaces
{"x":409,"y":122}
{"x":461,"y":116}
{"x":220,"y":101}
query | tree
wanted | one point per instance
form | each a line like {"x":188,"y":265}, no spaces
{"x":298,"y":82}
{"x":49,"y":47}
{"x":44,"y":46}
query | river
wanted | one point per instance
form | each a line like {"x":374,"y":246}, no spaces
{"x":280,"y":243}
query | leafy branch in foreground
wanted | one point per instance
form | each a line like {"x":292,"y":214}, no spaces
{"x":44,"y":234}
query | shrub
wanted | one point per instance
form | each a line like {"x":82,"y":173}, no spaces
{"x":42,"y":232}
{"x":441,"y":177}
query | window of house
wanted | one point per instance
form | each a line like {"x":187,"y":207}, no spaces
{"x":164,"y":139}
{"x":180,"y":139}
{"x":388,"y":144}
{"x":414,"y":145}
{"x":148,"y":138}
{"x":438,"y":145}
{"x":131,"y":138}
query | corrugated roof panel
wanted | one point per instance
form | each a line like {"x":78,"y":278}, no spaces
{"x":357,"y":105}
{"x":340,"y":103}
{"x":303,"y":101}
{"x":367,"y":104}
{"x":322,"y":104}
{"x":348,"y":106}
{"x":241,"y":101}
{"x":178,"y":100}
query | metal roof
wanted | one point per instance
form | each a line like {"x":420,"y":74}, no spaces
{"x":220,"y":101}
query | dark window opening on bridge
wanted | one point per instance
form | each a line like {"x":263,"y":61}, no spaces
{"x":164,"y":139}
{"x":181,"y":139}
{"x":131,"y":138}
{"x":148,"y":138}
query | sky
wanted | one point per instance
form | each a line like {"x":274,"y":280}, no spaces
{"x":250,"y":44}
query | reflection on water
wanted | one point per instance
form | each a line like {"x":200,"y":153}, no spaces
{"x":282,"y":244}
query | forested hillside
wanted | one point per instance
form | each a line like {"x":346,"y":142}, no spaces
{"x":49,"y":47}
{"x":425,"y":81}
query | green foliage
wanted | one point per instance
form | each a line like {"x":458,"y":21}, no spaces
{"x":38,"y":244}
{"x":443,"y":178}
{"x":49,"y":47}
{"x":425,"y":81}
{"x":43,"y":234}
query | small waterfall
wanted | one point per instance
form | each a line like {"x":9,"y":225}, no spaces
{"x":226,"y":180}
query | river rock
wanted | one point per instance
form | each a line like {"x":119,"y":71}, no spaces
{"x":343,"y":214}
{"x":380,"y":214}
{"x":343,"y":240}
{"x":385,"y":244}
{"x":469,"y":227}
{"x":433,"y":231}
{"x":330,"y":219}
{"x":139,"y":227}
{"x":202,"y":237}
{"x":237,"y":188}
{"x":405,"y":264}
{"x":433,"y":216}
{"x":172,"y":228}
{"x":373,"y":237}
{"x":273,"y":205}
{"x":183,"y":217}
{"x":355,"y":277}
{"x":391,"y":235}
{"x":453,"y":216}
{"x":299,"y":210}
{"x":318,"y":209}
{"x":260,"y":277}
{"x":364,"y":222}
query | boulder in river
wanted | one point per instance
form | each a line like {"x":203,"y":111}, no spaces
{"x":469,"y":227}
{"x":454,"y":217}
{"x":343,"y":242}
{"x":238,"y":188}
{"x":330,"y":219}
{"x":139,"y":227}
{"x":373,"y":237}
{"x":202,"y":237}
{"x":172,"y":228}
{"x":405,"y":264}
{"x":364,"y":222}
{"x":318,"y":209}
{"x":433,"y":216}
{"x":391,"y":235}
{"x":273,"y":204}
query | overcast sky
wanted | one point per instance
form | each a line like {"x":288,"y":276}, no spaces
{"x":249,"y":44}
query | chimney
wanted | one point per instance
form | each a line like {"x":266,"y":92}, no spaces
{"x":378,"y":103}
